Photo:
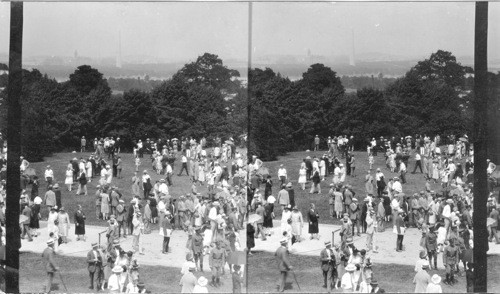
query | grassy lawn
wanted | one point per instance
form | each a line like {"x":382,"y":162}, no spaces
{"x":264,"y":275}
{"x":58,"y":162}
{"x":292,"y":161}
{"x":158,"y":279}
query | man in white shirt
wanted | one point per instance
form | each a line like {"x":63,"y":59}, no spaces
{"x":184,"y":161}
{"x":282,"y":174}
{"x":402,"y":170}
{"x":396,"y":186}
{"x":163,"y":187}
{"x":452,"y":168}
{"x":49,"y":175}
{"x":418,"y":162}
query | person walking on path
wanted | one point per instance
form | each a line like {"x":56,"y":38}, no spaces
{"x":217,"y":260}
{"x":94,"y":262}
{"x":315,"y":187}
{"x":80,"y":224}
{"x":82,"y":183}
{"x":50,"y":265}
{"x":312,"y":216}
{"x":328,"y":264}
{"x":284,"y":265}
{"x":399,"y":229}
{"x":63,"y":223}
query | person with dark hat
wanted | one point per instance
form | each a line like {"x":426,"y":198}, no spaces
{"x":217,"y":260}
{"x":80,"y":223}
{"x":197,"y":248}
{"x":328,"y":264}
{"x":283,"y":263}
{"x":50,"y":267}
{"x":94,"y":261}
{"x":450,"y":259}
{"x":237,"y":278}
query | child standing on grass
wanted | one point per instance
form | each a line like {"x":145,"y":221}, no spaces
{"x":370,"y":160}
{"x":137,"y":163}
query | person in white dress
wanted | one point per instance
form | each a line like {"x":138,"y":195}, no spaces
{"x":302,"y":177}
{"x":68,"y":181}
{"x":342,"y":173}
{"x":336,"y":175}
{"x":89,"y":170}
{"x":322,"y":168}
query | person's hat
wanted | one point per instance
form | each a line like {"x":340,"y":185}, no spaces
{"x":355,"y":199}
{"x":116,"y":242}
{"x":112,"y":217}
{"x":433,"y":192}
{"x":295,"y":208}
{"x":118,"y":269}
{"x":396,"y":178}
{"x":328,"y":243}
{"x":216,"y":203}
{"x":189,"y":256}
{"x":145,"y":171}
{"x":271,"y":199}
{"x":341,"y":164}
{"x":375,"y":283}
{"x":436,"y":279}
{"x":281,"y":165}
{"x":422,"y":254}
{"x":50,"y":242}
{"x":162,"y":180}
{"x":283,"y":241}
{"x":366,"y":199}
{"x":346,"y":214}
{"x":332,"y":184}
{"x":425,"y":264}
{"x":378,"y":169}
{"x":202,"y":281}
{"x":350,"y":267}
{"x":192,"y":266}
{"x":289,"y":185}
{"x":449,"y":201}
{"x":94,"y":245}
{"x":121,"y":201}
{"x":62,"y":208}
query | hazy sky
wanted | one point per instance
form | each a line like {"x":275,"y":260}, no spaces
{"x":407,"y":29}
{"x":186,"y":30}
{"x":167,"y":30}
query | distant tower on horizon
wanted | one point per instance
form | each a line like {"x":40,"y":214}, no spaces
{"x":352,"y":61}
{"x":119,"y":57}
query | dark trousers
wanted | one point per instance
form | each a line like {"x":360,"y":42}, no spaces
{"x":199,"y":257}
{"x":146,"y":193}
{"x":169,"y":179}
{"x":166,"y":241}
{"x":328,"y":278}
{"x":184,"y":167}
{"x":282,"y":281}
{"x":432,"y":255}
{"x":122,"y":224}
{"x":97,"y":277}
{"x":403,"y":177}
{"x":419,"y":165}
{"x":380,"y":189}
{"x":26,"y":231}
{"x":50,"y":278}
{"x":399,"y":242}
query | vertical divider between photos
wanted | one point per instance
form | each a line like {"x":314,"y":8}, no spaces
{"x":480,"y":147}
{"x":14,"y":88}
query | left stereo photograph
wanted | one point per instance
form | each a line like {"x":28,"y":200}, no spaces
{"x":124,"y":147}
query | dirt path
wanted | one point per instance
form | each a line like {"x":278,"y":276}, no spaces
{"x":151,"y":242}
{"x":386,"y":242}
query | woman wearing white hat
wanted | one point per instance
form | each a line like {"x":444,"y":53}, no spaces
{"x":348,"y":281}
{"x":201,"y":286}
{"x":114,"y":285}
{"x":434,"y":286}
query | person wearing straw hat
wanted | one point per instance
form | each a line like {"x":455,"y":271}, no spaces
{"x":283,"y":263}
{"x":434,"y":286}
{"x":328,"y":264}
{"x":50,"y":267}
{"x":201,"y":285}
{"x":375,"y":288}
{"x":188,"y":280}
{"x":94,"y":261}
{"x":114,"y":285}
{"x":422,"y":278}
{"x":348,"y":281}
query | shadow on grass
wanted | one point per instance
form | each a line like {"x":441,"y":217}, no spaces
{"x":264,"y":275}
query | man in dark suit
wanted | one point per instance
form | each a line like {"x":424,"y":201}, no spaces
{"x":283,"y":263}
{"x":50,"y":267}
{"x":94,"y":260}
{"x":328,"y":265}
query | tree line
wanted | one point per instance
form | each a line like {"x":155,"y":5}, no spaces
{"x":203,"y":99}
{"x":433,"y":97}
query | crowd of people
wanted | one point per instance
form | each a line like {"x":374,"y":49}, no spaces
{"x":211,"y":221}
{"x":443,"y":216}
